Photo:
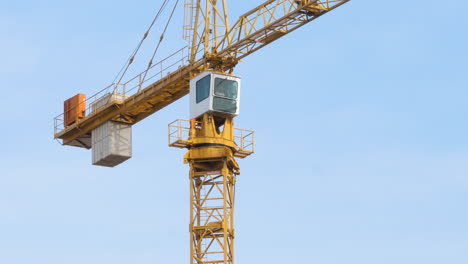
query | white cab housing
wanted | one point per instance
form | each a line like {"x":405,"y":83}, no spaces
{"x":214,"y":93}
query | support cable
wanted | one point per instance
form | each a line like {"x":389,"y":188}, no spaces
{"x":159,"y":42}
{"x":130,"y":60}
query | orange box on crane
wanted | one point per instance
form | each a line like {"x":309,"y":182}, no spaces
{"x":74,"y":109}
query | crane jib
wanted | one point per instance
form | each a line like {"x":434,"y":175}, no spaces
{"x":252,"y":31}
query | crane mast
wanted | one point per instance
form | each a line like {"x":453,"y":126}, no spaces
{"x":213,"y":171}
{"x":215,"y":48}
{"x":211,"y":144}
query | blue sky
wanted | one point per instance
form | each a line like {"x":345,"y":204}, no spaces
{"x":360,"y":120}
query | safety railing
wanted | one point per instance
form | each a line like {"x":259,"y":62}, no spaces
{"x":245,"y":141}
{"x":179,"y":132}
{"x":118,"y":92}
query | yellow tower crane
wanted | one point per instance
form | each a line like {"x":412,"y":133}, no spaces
{"x":205,"y":70}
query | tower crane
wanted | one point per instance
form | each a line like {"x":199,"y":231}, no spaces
{"x":205,"y":70}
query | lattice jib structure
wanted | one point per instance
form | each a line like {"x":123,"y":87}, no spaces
{"x":269,"y":22}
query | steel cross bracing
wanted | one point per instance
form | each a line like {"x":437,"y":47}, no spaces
{"x":254,"y":30}
{"x":212,"y":212}
{"x":270,"y":21}
{"x":209,"y":23}
{"x":213,"y":170}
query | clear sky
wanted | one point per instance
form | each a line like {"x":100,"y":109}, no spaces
{"x":361,"y":128}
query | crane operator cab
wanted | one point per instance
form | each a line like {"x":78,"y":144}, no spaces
{"x":214,"y":93}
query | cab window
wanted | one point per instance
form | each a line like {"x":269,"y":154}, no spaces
{"x":225,"y":88}
{"x":203,"y":88}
